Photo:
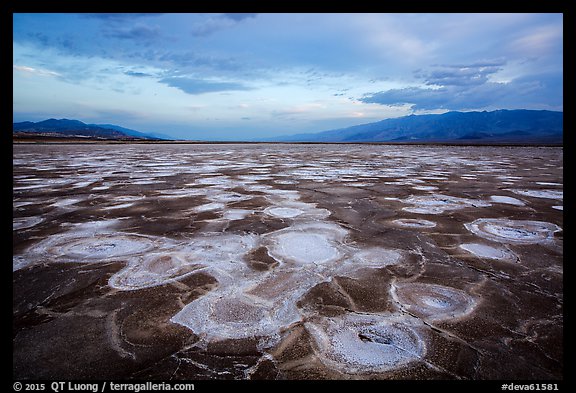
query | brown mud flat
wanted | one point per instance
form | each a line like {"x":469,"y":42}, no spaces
{"x":281,"y":261}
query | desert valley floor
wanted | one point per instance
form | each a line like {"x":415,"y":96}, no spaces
{"x":284,"y":261}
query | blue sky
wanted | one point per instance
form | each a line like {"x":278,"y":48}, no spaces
{"x":242,"y":76}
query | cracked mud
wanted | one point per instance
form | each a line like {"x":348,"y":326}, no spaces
{"x":287,"y":262}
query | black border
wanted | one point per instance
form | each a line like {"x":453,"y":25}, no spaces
{"x":486,"y":6}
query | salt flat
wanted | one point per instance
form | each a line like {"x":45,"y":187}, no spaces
{"x":286,"y":261}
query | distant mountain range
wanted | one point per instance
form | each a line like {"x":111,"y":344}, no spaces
{"x":500,"y":126}
{"x":65,"y":128}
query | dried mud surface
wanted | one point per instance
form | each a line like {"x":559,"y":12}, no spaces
{"x":287,"y":262}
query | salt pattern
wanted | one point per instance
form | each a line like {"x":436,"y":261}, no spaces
{"x":506,"y":200}
{"x":489,"y":252}
{"x":414,"y":223}
{"x":433,"y":302}
{"x":513,"y":231}
{"x":546,"y":194}
{"x":365,"y":344}
{"x":91,"y":247}
{"x":249,"y":304}
{"x":438,"y":203}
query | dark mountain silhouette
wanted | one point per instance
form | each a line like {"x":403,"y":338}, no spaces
{"x":66,"y":128}
{"x":501,"y":126}
{"x":128,"y":131}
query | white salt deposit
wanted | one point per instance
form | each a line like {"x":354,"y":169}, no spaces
{"x":144,"y":182}
{"x":249,"y":305}
{"x":414,"y":223}
{"x":209,"y":207}
{"x":31,"y":187}
{"x":509,"y":178}
{"x":281,"y":195}
{"x":223,"y":255}
{"x":361,"y":263}
{"x":489,"y":252}
{"x":83,"y":183}
{"x":283,"y":284}
{"x":287,"y":206}
{"x":226,"y":197}
{"x":100,"y":188}
{"x":20,"y":262}
{"x":433,"y":302}
{"x":66,"y":202}
{"x":246,"y":302}
{"x":236,"y":214}
{"x":104,"y":246}
{"x":304,"y":243}
{"x":155,"y":269}
{"x":25,"y":222}
{"x":121,"y":206}
{"x":257,"y":187}
{"x":361,"y":184}
{"x":228,"y":314}
{"x":16,"y":205}
{"x":91,"y":247}
{"x":513,"y":231}
{"x":365,"y":344}
{"x":283,"y":212}
{"x":506,"y":200}
{"x":377,"y":257}
{"x":547,"y":194}
{"x":425,"y":188}
{"x":438,"y":204}
{"x":544,"y":183}
{"x":303,"y":248}
{"x":187,"y":192}
{"x":286,"y":181}
{"x":215,"y":180}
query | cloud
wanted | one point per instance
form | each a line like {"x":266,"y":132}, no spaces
{"x":217,"y":23}
{"x":184,"y":59}
{"x":468,"y":86}
{"x":138,"y":74}
{"x":298,"y":110}
{"x":449,"y":97}
{"x":239,"y":16}
{"x":137,"y":32}
{"x":527,"y":92}
{"x":35,"y":71}
{"x":210,"y":26}
{"x":461,"y":74}
{"x":420,"y":98}
{"x":118,"y":17}
{"x":199,"y":86}
{"x":118,"y":116}
{"x":40,"y":38}
{"x":538,"y":42}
